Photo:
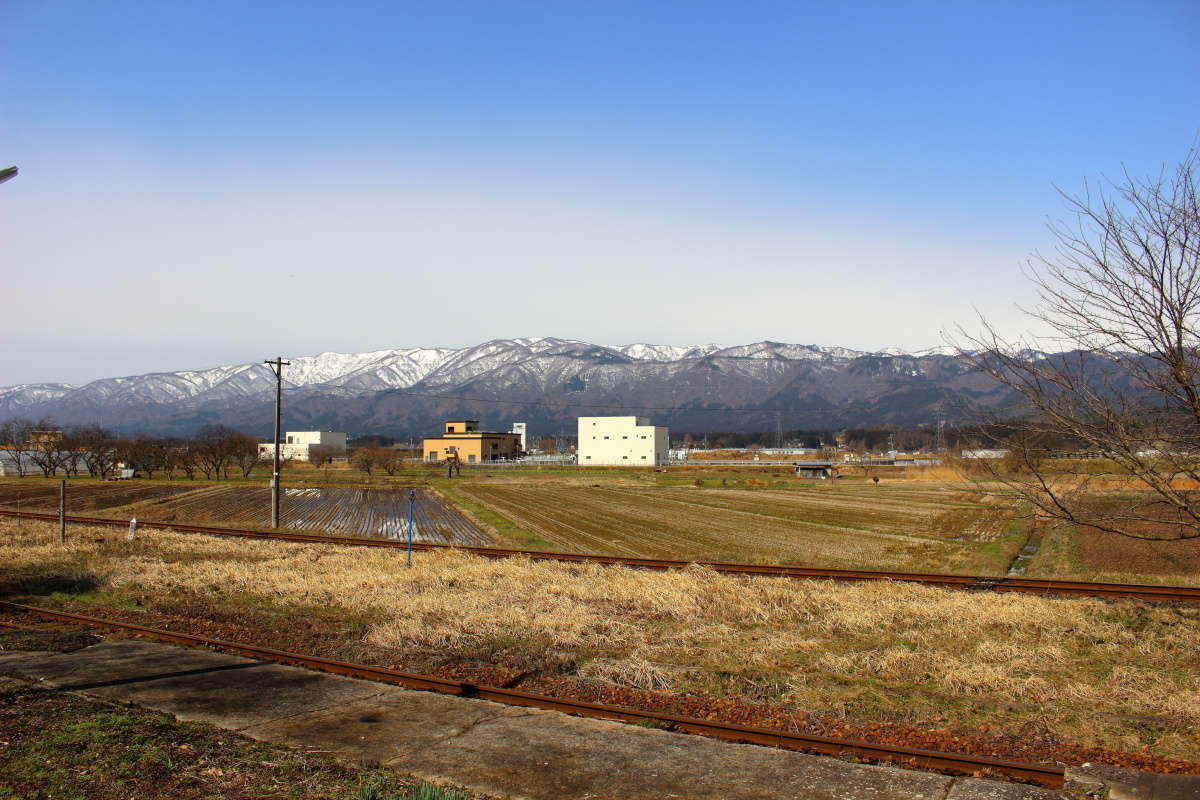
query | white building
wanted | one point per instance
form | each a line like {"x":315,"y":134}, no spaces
{"x":621,"y":441}
{"x":519,"y":428}
{"x":984,"y":453}
{"x":298,"y":445}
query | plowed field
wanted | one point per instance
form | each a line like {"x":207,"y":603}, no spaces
{"x":83,"y":497}
{"x":361,"y":512}
{"x":867,"y":526}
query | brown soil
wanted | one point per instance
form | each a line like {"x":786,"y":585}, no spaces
{"x":1110,"y":552}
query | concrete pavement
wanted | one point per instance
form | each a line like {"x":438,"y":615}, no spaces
{"x":489,"y":748}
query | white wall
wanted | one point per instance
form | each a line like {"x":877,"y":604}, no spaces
{"x":621,"y":441}
{"x":293,"y":452}
{"x":332,"y":439}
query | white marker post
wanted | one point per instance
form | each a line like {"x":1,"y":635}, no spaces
{"x":129,"y":537}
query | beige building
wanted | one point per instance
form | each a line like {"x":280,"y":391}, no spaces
{"x":621,"y":441}
{"x":472,"y":446}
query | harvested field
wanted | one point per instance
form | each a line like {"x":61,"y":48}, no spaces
{"x":361,"y":512}
{"x":82,"y":497}
{"x":922,"y":528}
{"x":1089,"y":554}
{"x":1011,"y":672}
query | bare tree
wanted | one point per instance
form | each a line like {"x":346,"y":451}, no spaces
{"x":390,"y":460}
{"x":320,"y":455}
{"x":214,"y":448}
{"x":148,"y":454}
{"x":183,"y":457}
{"x":1121,"y":294}
{"x":46,"y":449}
{"x":244,"y":450}
{"x":365,"y":458}
{"x":14,"y":436}
{"x":99,"y":450}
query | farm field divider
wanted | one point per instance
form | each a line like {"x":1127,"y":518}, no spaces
{"x":1005,"y":584}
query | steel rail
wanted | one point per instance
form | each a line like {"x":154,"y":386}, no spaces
{"x":1174,"y":594}
{"x":1043,"y":774}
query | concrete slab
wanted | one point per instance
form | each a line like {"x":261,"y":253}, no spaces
{"x":489,"y":748}
{"x":976,"y":789}
{"x":193,"y":685}
{"x":1117,"y":783}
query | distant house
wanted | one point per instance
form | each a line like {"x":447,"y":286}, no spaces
{"x":302,"y":445}
{"x":984,"y":454}
{"x":621,"y":441}
{"x":814,"y":469}
{"x":462,"y":438}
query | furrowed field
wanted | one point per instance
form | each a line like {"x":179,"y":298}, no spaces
{"x":842,"y":524}
{"x":359,"y":512}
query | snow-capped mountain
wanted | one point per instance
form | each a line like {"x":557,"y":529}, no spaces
{"x":545,"y":379}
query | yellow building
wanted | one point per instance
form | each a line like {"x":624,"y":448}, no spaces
{"x":472,"y":446}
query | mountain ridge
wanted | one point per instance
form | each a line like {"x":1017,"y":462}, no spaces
{"x":541,"y":377}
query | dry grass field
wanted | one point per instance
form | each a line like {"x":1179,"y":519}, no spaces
{"x":835,"y":524}
{"x":1117,"y":674}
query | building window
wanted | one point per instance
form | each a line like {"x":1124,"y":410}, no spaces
{"x":588,"y":457}
{"x":451,"y":449}
{"x":433,"y":455}
{"x":605,"y":437}
{"x":449,"y":429}
{"x":643,"y":458}
{"x":624,"y":437}
{"x":471,"y":458}
{"x":625,"y":458}
{"x":289,"y":441}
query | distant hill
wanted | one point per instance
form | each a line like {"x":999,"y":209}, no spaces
{"x":545,"y":381}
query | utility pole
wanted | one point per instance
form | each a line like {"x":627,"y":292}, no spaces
{"x":62,"y":512}
{"x":277,"y":364}
{"x":412,"y":499}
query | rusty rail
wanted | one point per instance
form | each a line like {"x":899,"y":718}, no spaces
{"x":1174,"y":594}
{"x":1042,"y":774}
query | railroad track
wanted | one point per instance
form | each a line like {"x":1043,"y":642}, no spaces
{"x":1173,"y":594}
{"x":1051,"y":776}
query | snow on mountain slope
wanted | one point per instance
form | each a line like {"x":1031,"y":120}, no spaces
{"x":665,"y":352}
{"x":533,"y":363}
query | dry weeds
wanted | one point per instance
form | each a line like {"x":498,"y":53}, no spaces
{"x":1080,"y":667}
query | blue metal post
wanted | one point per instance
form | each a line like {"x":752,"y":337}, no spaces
{"x":412,"y":499}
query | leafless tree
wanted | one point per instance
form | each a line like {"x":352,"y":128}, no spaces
{"x":366,"y":458}
{"x":244,"y":452}
{"x":148,"y":454}
{"x":320,"y":455}
{"x":71,"y":453}
{"x":1121,"y":378}
{"x":183,"y":457}
{"x":14,"y":436}
{"x":46,"y":449}
{"x":215,"y":448}
{"x":390,"y":460}
{"x":99,"y":450}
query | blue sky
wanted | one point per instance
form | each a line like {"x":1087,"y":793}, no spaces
{"x":393,"y":175}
